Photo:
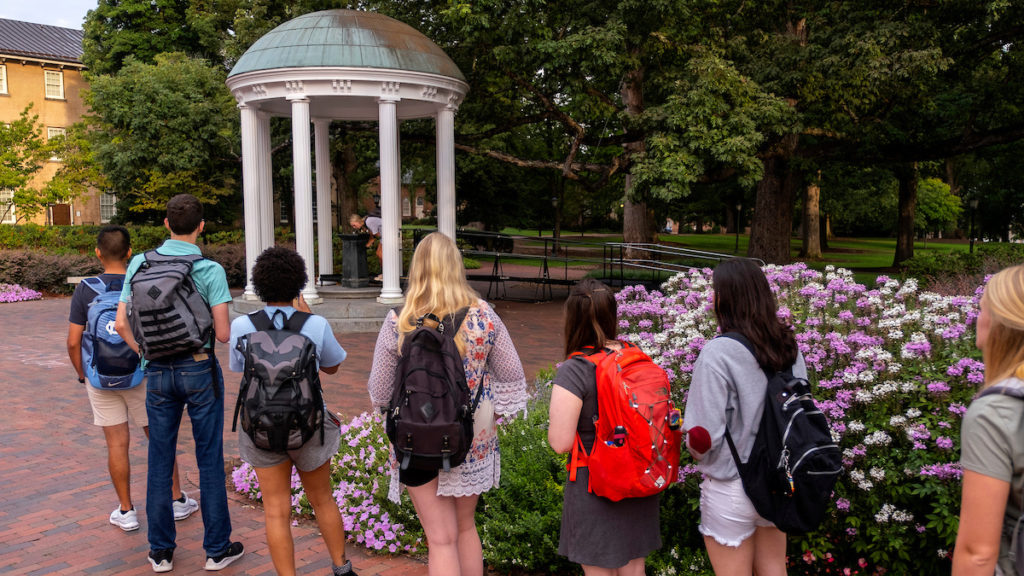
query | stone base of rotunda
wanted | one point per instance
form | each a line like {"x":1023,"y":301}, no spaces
{"x":349,"y":310}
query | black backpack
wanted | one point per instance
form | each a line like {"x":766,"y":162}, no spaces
{"x":794,"y":462}
{"x":430,"y":416}
{"x":280,"y":400}
{"x":166,"y":312}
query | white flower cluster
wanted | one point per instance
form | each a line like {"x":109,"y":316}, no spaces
{"x":861,"y":481}
{"x":877,"y":473}
{"x":878,"y":437}
{"x":855,"y":426}
{"x":890,"y":512}
{"x":897,"y":421}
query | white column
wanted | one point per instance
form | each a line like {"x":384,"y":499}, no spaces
{"x":389,"y":197}
{"x":446,"y":170}
{"x":324,"y":227}
{"x":250,"y":194}
{"x":265,"y":183}
{"x":303,"y":214}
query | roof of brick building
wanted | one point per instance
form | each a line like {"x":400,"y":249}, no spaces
{"x":40,"y":41}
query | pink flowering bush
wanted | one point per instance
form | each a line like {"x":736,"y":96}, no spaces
{"x":16,"y":293}
{"x":360,"y":475}
{"x":893,"y":368}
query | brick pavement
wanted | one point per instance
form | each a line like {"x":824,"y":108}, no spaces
{"x":55,"y":493}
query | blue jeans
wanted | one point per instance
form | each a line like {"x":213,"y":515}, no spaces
{"x":172,"y":387}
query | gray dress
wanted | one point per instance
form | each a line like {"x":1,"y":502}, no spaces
{"x":595,"y":530}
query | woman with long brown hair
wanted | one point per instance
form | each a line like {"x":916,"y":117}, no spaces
{"x":606,"y":538}
{"x":446,"y":500}
{"x":992,"y":435}
{"x":727,"y":393}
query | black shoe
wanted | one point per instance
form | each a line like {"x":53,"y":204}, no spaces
{"x":343,"y":570}
{"x":162,"y":560}
{"x":234,"y":552}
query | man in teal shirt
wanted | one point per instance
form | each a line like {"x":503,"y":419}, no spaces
{"x":192,"y":381}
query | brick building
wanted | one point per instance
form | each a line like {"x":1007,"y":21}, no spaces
{"x":42,"y":65}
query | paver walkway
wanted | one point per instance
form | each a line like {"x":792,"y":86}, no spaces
{"x":55,"y":493}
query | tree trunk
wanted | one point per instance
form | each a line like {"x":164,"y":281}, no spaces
{"x":906,"y":174}
{"x":558,"y":196}
{"x":826,"y":231}
{"x":811,"y":216}
{"x":772,"y":223}
{"x":635,"y":225}
{"x":343,"y":166}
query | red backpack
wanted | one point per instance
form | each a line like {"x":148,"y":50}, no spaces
{"x":636,"y":448}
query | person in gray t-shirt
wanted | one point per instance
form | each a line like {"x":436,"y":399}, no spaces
{"x":991,"y":440}
{"x":728,"y":390}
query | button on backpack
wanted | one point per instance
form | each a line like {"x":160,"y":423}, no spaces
{"x":280,"y":401}
{"x":794,"y":462}
{"x":430,"y":417}
{"x":637,"y":441}
{"x":167,"y":314}
{"x":109,"y":363}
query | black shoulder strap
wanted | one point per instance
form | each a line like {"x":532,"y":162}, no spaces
{"x":297,"y":321}
{"x":261,"y":321}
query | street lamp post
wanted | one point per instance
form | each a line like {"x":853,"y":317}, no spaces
{"x":974,"y":206}
{"x":739,"y":207}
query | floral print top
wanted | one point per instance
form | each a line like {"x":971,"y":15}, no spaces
{"x":492,"y":362}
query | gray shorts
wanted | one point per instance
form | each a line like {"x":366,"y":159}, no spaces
{"x":307,"y":457}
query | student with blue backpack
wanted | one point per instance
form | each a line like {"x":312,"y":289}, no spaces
{"x":112,"y":373}
{"x":279,"y":350}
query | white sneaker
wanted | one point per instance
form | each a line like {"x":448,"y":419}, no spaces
{"x":126,"y":521}
{"x":184,"y":509}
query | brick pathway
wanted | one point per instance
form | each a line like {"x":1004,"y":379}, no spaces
{"x":55,"y":493}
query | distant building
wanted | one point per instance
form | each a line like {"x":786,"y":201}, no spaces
{"x":42,"y":65}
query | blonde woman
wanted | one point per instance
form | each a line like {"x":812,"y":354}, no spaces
{"x":446,"y":501}
{"x":992,"y":435}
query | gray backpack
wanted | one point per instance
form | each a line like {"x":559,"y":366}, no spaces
{"x":167,"y":314}
{"x":280,"y":401}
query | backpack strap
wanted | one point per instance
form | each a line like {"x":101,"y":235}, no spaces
{"x":1012,"y":391}
{"x":96,"y":284}
{"x":739,"y":337}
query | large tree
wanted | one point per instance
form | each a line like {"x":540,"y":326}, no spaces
{"x":23,"y":152}
{"x":164,"y":128}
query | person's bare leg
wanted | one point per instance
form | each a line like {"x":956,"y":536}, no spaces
{"x":276,"y":486}
{"x":471,"y":554}
{"x":118,"y":463}
{"x":731,"y":560}
{"x":769,"y":552}
{"x":440,"y":525}
{"x":634,"y":567}
{"x":320,"y":494}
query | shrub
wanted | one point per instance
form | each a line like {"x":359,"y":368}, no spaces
{"x":893,"y":368}
{"x":519,"y":522}
{"x":44,"y":271}
{"x":232,"y":258}
{"x":957,"y":272}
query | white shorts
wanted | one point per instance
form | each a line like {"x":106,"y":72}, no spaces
{"x":112,"y":407}
{"x":726,"y":514}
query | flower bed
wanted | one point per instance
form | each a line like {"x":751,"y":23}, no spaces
{"x":893,"y":367}
{"x":16,"y":293}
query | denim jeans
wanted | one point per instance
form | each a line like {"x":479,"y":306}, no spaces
{"x":171,"y":388}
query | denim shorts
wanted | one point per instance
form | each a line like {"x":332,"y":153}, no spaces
{"x":306,"y":458}
{"x":726,"y":514}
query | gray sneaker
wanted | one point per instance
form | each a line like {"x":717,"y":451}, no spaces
{"x":184,"y":509}
{"x":126,"y":521}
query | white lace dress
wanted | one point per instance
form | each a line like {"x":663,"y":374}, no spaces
{"x":492,"y":362}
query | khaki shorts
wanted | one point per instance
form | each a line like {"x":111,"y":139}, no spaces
{"x":112,"y":407}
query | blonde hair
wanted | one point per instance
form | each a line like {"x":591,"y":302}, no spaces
{"x":1004,"y":346}
{"x":437,"y":284}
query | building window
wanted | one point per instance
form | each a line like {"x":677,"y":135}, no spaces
{"x":52,"y":132}
{"x":108,"y":207}
{"x":3,"y":79}
{"x":7,"y":207}
{"x":54,"y":84}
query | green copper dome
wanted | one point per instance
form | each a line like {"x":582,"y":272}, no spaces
{"x":348,"y":38}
